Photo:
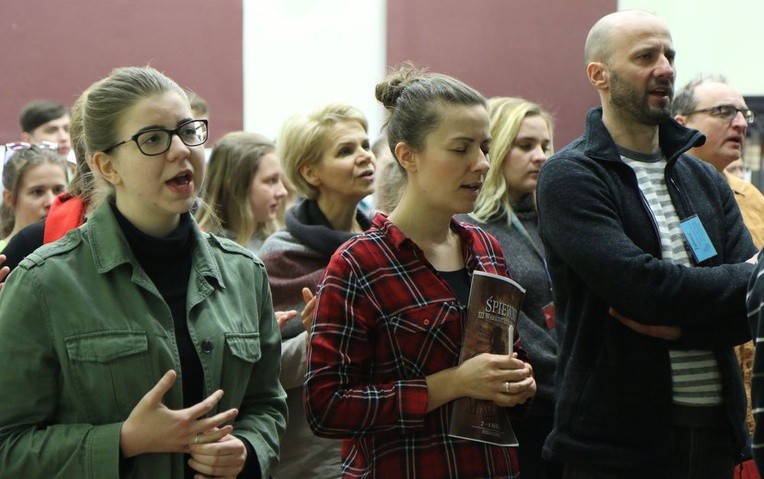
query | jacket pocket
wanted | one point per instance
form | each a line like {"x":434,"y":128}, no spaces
{"x":245,"y":346}
{"x":109,"y":370}
{"x":242,"y":353}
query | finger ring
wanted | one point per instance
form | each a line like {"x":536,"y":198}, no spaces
{"x":197,"y":438}
{"x":506,"y":387}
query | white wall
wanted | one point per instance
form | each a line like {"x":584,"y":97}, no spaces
{"x":713,"y":36}
{"x":300,"y":54}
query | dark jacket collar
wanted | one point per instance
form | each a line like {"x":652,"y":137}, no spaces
{"x":674,"y":138}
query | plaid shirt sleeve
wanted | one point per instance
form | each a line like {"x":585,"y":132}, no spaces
{"x":755,"y":304}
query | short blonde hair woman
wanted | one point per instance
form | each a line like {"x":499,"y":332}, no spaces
{"x":327,"y":155}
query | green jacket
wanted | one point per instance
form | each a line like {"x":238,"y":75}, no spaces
{"x":84,"y":334}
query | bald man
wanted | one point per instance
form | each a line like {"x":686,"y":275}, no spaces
{"x":648,"y":257}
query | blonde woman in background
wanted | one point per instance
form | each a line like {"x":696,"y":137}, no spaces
{"x":506,"y":208}
{"x":244,"y":190}
{"x":327,"y":155}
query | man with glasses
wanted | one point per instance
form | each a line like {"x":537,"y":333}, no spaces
{"x":708,"y":104}
{"x":713,"y":107}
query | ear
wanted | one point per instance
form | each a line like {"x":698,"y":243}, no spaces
{"x":406,"y":157}
{"x":104,"y":166}
{"x":681,"y":119}
{"x":8,"y":198}
{"x":599,"y":75}
{"x":310,"y":174}
{"x":26,"y":137}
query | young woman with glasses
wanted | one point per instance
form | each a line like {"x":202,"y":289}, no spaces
{"x":141,"y":346}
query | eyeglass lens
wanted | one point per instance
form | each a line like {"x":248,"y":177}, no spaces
{"x":156,"y":142}
{"x":728,"y":112}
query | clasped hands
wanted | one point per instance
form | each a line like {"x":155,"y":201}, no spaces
{"x":505,"y":380}
{"x":152,"y":427}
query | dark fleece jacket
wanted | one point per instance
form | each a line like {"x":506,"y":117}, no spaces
{"x":614,"y":404}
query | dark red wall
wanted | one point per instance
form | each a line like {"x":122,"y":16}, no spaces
{"x":56,"y":48}
{"x":528,"y":48}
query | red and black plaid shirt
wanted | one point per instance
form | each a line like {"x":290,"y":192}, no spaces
{"x":386,"y":319}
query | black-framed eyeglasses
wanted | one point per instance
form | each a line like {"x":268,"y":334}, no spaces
{"x":13,"y":147}
{"x":155,"y":141}
{"x":727,"y":112}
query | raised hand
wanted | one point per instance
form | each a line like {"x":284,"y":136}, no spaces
{"x":153,"y":427}
{"x":308,"y":314}
{"x":283,"y":316}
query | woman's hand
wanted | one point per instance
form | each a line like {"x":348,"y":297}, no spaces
{"x":308,"y":314}
{"x":505,"y":380}
{"x":283,"y":316}
{"x":3,"y":271}
{"x":153,"y":427}
{"x":222,"y":459}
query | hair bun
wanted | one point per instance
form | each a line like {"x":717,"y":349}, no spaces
{"x":390,"y":89}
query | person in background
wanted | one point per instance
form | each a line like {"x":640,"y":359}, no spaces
{"x":390,"y":310}
{"x":243,"y":190}
{"x":141,"y":346}
{"x":521,"y":133}
{"x":69,"y":209}
{"x":737,"y":168}
{"x":200,"y":109}
{"x":390,"y":182}
{"x":33,"y":175}
{"x":649,"y":259}
{"x":291,"y":199}
{"x":327,"y":156}
{"x":713,"y":107}
{"x":47,"y":120}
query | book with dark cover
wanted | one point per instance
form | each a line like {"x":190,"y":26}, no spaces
{"x":494,"y":303}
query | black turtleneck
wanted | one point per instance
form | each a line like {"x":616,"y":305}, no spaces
{"x":167,"y":262}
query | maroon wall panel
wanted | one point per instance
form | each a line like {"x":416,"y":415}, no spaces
{"x":56,"y":48}
{"x":528,"y":48}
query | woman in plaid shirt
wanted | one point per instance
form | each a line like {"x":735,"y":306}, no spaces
{"x":385,"y":345}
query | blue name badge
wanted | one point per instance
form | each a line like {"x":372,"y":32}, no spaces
{"x":697,"y":238}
